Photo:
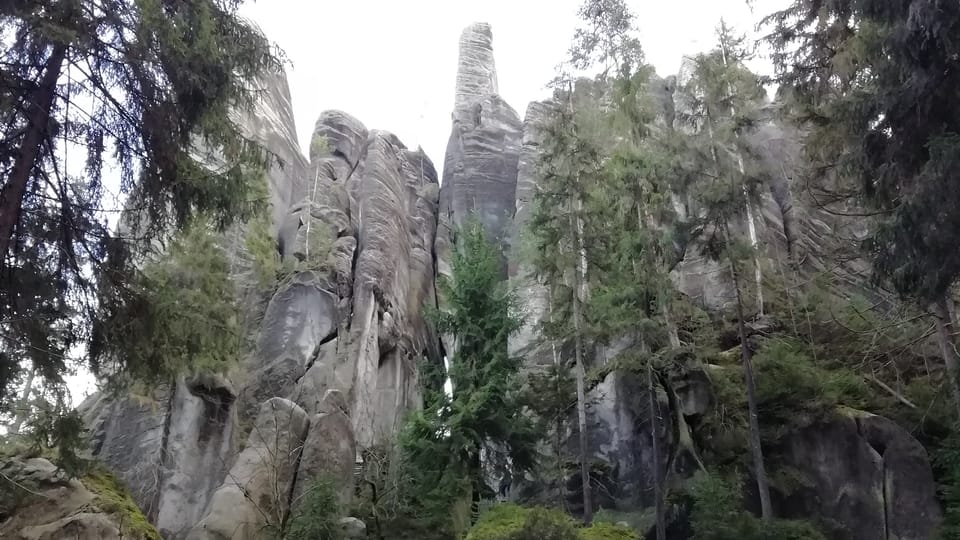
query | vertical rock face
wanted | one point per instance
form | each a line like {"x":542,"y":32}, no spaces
{"x":355,"y":226}
{"x":533,"y":295}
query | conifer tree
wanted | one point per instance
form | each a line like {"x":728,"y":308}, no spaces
{"x":483,"y":415}
{"x":90,"y":90}
{"x":874,"y":83}
{"x":725,"y":98}
{"x":569,"y":166}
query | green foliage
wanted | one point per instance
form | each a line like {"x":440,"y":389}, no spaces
{"x":607,"y":531}
{"x":154,"y":90}
{"x":511,"y":522}
{"x":793,"y":391}
{"x":873,"y":84}
{"x":112,"y":497}
{"x":443,"y":442}
{"x":262,"y":248}
{"x":319,"y":145}
{"x":180,"y":315}
{"x":63,"y":435}
{"x":317,"y":515}
{"x":717,"y":514}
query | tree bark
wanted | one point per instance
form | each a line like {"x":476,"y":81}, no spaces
{"x":756,"y":447}
{"x":947,"y":349}
{"x":579,"y":285}
{"x":657,"y":472}
{"x":38,"y":115}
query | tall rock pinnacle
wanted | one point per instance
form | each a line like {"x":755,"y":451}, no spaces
{"x":476,"y":71}
{"x":480,"y":166}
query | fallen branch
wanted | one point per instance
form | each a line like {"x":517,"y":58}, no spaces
{"x":900,"y":397}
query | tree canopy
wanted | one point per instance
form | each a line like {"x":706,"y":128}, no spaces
{"x":118,"y":127}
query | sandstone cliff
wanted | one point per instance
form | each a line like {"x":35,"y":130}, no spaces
{"x":365,"y":229}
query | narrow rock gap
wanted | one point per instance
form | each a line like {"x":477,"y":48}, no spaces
{"x":295,"y":475}
{"x":316,"y":353}
{"x":154,"y":510}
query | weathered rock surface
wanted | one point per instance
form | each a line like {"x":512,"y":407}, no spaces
{"x":355,"y":228}
{"x":39,"y":502}
{"x":480,"y":166}
{"x":863,"y":476}
{"x":533,"y":295}
{"x":255,"y":495}
{"x":329,"y":451}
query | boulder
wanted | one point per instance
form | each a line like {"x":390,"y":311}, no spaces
{"x":353,"y":528}
{"x":863,"y":476}
{"x":254,"y":497}
{"x":330,"y":449}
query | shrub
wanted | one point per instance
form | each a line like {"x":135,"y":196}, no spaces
{"x":317,"y":516}
{"x":499,"y":523}
{"x":717,"y":514}
{"x":607,"y":531}
{"x":512,"y":522}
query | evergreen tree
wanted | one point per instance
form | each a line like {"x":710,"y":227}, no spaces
{"x":569,"y":168}
{"x":724,"y":97}
{"x":874,"y":83}
{"x":142,"y":89}
{"x":453,"y":435}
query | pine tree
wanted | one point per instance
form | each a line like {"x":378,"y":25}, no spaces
{"x":140,"y":89}
{"x":482,"y":419}
{"x":874,"y":85}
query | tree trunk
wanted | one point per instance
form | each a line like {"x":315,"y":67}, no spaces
{"x":657,"y":472}
{"x":756,"y":448}
{"x":580,"y":286}
{"x":38,"y":115}
{"x":947,"y":349}
{"x":23,"y":406}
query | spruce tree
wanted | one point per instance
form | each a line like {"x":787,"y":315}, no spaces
{"x":142,"y":90}
{"x":874,"y":85}
{"x":482,"y":419}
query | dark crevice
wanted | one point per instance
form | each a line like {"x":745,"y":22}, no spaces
{"x":217,"y":404}
{"x":295,"y":476}
{"x":154,"y":510}
{"x":316,"y":353}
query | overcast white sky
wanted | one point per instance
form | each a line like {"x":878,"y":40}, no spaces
{"x":393,"y":64}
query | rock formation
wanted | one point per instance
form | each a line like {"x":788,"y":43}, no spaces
{"x":365,"y":230}
{"x":40,"y":502}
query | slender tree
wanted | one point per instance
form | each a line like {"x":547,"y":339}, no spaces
{"x":725,"y":97}
{"x":569,"y":166}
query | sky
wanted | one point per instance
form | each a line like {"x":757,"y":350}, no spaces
{"x":393,"y":64}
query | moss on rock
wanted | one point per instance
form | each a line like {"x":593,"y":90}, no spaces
{"x":113,"y":498}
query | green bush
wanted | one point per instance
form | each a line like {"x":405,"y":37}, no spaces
{"x":317,"y":515}
{"x":499,"y":523}
{"x":718,"y":514}
{"x":512,"y":522}
{"x":607,"y":531}
{"x":544,"y":524}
